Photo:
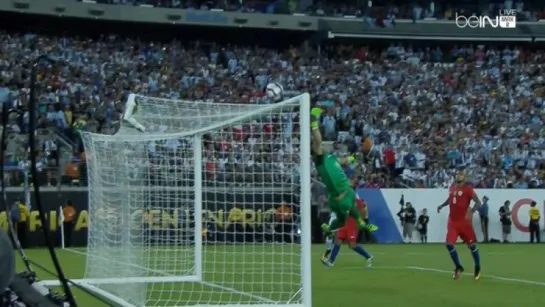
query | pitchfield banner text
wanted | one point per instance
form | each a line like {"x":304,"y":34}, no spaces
{"x":169,"y":212}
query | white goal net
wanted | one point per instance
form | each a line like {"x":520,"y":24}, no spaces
{"x":208,"y":206}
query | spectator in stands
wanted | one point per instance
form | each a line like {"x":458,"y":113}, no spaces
{"x":421,"y":129}
{"x":71,"y":172}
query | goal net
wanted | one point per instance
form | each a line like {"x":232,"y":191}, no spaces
{"x":196,"y":203}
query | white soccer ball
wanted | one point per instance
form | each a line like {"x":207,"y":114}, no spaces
{"x":275,"y":91}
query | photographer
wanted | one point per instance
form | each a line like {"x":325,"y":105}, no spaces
{"x":409,"y":220}
{"x":401,"y":209}
{"x":505,"y":220}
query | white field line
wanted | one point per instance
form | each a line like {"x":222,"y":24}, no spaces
{"x":508,"y":279}
{"x":433,"y":270}
{"x":437,"y":253}
{"x":415,"y":268}
{"x":424,"y":269}
{"x":425,"y":254}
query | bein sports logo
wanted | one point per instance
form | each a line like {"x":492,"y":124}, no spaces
{"x":507,"y":19}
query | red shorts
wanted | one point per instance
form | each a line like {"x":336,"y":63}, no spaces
{"x":462,"y":229}
{"x":348,"y":234}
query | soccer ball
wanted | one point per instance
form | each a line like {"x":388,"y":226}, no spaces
{"x":275,"y":91}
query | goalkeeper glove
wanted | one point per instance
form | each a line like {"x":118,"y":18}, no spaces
{"x":326,"y":230}
{"x":315,"y":114}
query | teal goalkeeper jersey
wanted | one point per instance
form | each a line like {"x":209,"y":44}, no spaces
{"x":332,"y":175}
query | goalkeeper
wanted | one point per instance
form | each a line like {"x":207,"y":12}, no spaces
{"x":341,"y":196}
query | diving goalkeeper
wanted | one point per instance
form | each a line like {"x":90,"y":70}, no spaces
{"x":341,"y":197}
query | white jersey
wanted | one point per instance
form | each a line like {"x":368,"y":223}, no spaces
{"x":332,"y":217}
{"x":329,"y":239}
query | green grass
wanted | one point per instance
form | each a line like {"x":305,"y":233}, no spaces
{"x":403,"y":275}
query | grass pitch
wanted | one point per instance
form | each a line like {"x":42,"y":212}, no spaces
{"x":403,"y":275}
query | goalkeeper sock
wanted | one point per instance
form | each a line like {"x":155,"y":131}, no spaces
{"x":328,"y":246}
{"x":334,"y":253}
{"x":329,"y":243}
{"x":475,"y":255}
{"x":359,"y":249}
{"x":454,"y":255}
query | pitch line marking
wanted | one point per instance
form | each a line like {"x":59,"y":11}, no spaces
{"x":514,"y":280}
{"x":424,"y":269}
{"x":430,"y":254}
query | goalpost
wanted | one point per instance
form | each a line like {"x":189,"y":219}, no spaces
{"x":184,"y":205}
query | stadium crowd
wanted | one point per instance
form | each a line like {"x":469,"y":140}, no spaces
{"x":379,"y":9}
{"x":485,"y":114}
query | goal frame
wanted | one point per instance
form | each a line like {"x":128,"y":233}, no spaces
{"x":305,"y":291}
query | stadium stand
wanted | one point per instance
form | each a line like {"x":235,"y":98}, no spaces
{"x":483,"y":113}
{"x":388,"y":10}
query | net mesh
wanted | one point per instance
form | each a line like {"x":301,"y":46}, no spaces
{"x":146,"y":201}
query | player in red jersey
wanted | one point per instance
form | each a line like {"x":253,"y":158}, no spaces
{"x":349,"y":234}
{"x":460,"y":222}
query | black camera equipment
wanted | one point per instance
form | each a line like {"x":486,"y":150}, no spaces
{"x":23,"y":289}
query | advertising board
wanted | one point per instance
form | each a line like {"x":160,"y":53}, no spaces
{"x":168,"y":212}
{"x":223,"y":209}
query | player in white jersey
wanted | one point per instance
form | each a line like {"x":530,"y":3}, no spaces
{"x":329,"y":240}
